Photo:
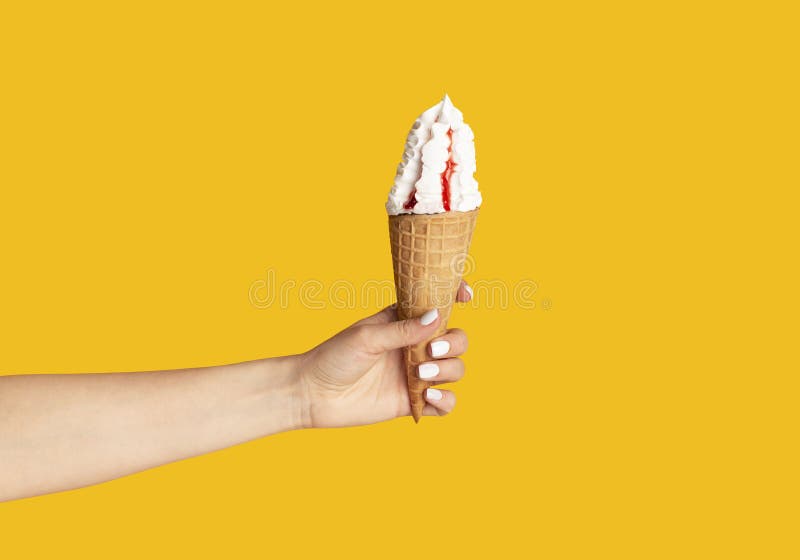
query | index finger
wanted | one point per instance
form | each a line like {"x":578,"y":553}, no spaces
{"x":464,"y":293}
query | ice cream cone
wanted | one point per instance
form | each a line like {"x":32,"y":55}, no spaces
{"x":428,"y":254}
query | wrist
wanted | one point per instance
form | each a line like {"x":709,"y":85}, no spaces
{"x":301,"y":395}
{"x":284,"y":395}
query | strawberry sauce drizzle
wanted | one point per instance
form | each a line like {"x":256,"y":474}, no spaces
{"x":448,"y":173}
{"x":412,"y":200}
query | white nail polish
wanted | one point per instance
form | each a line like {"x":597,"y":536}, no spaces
{"x":433,"y":394}
{"x":439,"y":348}
{"x":429,"y":317}
{"x":469,"y":290}
{"x":426,"y":371}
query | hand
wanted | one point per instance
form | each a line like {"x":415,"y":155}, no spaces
{"x":359,"y":376}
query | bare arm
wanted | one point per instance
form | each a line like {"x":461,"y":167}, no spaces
{"x":66,"y":431}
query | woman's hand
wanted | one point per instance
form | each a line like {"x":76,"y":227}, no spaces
{"x":96,"y":427}
{"x":359,"y":377}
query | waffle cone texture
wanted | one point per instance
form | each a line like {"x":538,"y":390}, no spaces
{"x":428,"y":254}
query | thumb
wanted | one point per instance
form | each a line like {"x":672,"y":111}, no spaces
{"x":398,"y":334}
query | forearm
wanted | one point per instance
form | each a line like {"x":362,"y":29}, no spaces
{"x":66,"y":431}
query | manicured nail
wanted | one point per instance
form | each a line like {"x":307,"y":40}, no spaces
{"x":433,"y":394}
{"x":469,"y":290}
{"x":439,"y":348}
{"x":429,"y":317}
{"x":426,"y":371}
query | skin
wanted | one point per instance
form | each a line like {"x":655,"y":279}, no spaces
{"x":59,"y":432}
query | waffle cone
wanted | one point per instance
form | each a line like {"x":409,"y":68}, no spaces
{"x":428,"y":253}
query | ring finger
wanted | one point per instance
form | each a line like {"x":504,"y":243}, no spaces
{"x":441,"y":371}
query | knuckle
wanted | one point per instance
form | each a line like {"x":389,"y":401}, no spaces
{"x":362,"y":336}
{"x":446,"y":409}
{"x":464,"y":341}
{"x":404,"y":329}
{"x":451,"y":404}
{"x":459,"y":339}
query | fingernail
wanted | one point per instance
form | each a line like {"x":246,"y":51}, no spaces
{"x":439,"y":348}
{"x":469,"y":290}
{"x":426,"y":371}
{"x":429,"y":317}
{"x":433,"y":394}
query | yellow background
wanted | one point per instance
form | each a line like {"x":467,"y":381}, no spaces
{"x":638,"y":162}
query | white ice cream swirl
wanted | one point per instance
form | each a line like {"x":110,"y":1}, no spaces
{"x":436,"y":173}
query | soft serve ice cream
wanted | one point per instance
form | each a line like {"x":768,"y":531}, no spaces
{"x":433,"y":208}
{"x":436,"y":173}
